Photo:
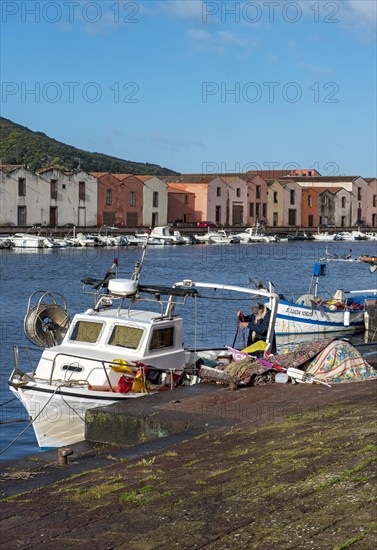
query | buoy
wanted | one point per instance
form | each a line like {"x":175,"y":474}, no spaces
{"x":346,"y":319}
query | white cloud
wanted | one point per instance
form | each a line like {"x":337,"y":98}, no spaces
{"x":365,"y":11}
{"x":220,"y":41}
{"x":184,"y":9}
{"x":315,"y":69}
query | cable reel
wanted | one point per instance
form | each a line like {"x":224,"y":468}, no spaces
{"x":47,"y":322}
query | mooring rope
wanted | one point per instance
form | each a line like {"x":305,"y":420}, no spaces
{"x":30,"y":423}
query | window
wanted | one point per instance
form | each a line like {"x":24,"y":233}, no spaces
{"x":343,"y":202}
{"x":126,"y":337}
{"x":21,"y":187}
{"x":81,"y":190}
{"x":154,"y":219}
{"x":275,"y":219}
{"x":275,"y":197}
{"x":359,"y":193}
{"x":53,"y":189}
{"x":162,"y":338}
{"x":292,"y":196}
{"x":251,"y":209}
{"x":155,"y":199}
{"x":186,"y":199}
{"x":258,"y":192}
{"x":310,"y":200}
{"x":132,"y":198}
{"x":257,"y":209}
{"x":238,"y":192}
{"x":343,"y":221}
{"x":21,"y":215}
{"x":86,"y":331}
{"x":374,"y":201}
{"x":218,"y":191}
{"x":218,"y":214}
{"x":264,"y":210}
{"x":108,"y":197}
{"x":374,"y":220}
{"x":310,"y":220}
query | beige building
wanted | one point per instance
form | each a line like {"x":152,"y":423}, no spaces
{"x":284,"y":203}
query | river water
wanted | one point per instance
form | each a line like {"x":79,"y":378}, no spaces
{"x":288,"y":265}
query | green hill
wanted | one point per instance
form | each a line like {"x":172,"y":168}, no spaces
{"x":19,"y":145}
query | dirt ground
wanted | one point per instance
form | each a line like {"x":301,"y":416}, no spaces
{"x":303,"y":480}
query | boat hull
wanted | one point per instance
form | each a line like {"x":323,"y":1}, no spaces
{"x":58,"y":414}
{"x":292,"y":318}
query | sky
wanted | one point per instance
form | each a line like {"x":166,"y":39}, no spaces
{"x":198,"y":86}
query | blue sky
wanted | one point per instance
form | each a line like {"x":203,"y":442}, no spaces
{"x":198,"y":86}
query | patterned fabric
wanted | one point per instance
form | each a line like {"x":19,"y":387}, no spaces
{"x":303,"y":353}
{"x":341,"y":362}
{"x":250,"y":372}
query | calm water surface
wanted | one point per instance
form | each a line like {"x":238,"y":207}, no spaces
{"x":288,"y":265}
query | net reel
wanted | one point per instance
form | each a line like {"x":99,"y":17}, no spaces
{"x":46,"y":322}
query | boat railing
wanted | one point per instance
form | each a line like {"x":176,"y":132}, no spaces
{"x":29,"y":351}
{"x":105,"y":365}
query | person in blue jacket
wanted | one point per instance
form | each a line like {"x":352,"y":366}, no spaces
{"x":258,"y":323}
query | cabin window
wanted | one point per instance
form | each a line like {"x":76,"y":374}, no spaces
{"x":126,"y":337}
{"x":162,"y":338}
{"x":86,"y":331}
{"x":72,"y":368}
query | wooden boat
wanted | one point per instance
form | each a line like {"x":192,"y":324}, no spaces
{"x":312,"y":314}
{"x":109,"y":353}
{"x":368,"y":259}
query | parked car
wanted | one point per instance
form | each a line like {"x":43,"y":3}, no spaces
{"x":207,"y":224}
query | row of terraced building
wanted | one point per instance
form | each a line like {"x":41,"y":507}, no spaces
{"x":299,"y":198}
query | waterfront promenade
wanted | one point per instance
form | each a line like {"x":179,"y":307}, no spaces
{"x":265,"y":467}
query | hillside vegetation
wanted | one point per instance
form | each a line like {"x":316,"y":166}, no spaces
{"x":19,"y":145}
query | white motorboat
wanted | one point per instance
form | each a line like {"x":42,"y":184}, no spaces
{"x":254,"y":235}
{"x":222,"y":237}
{"x":217,"y":237}
{"x":26,"y":240}
{"x":324,"y":236}
{"x":111,"y":352}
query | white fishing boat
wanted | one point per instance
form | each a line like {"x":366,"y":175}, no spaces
{"x":312,"y":314}
{"x":111,"y":352}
